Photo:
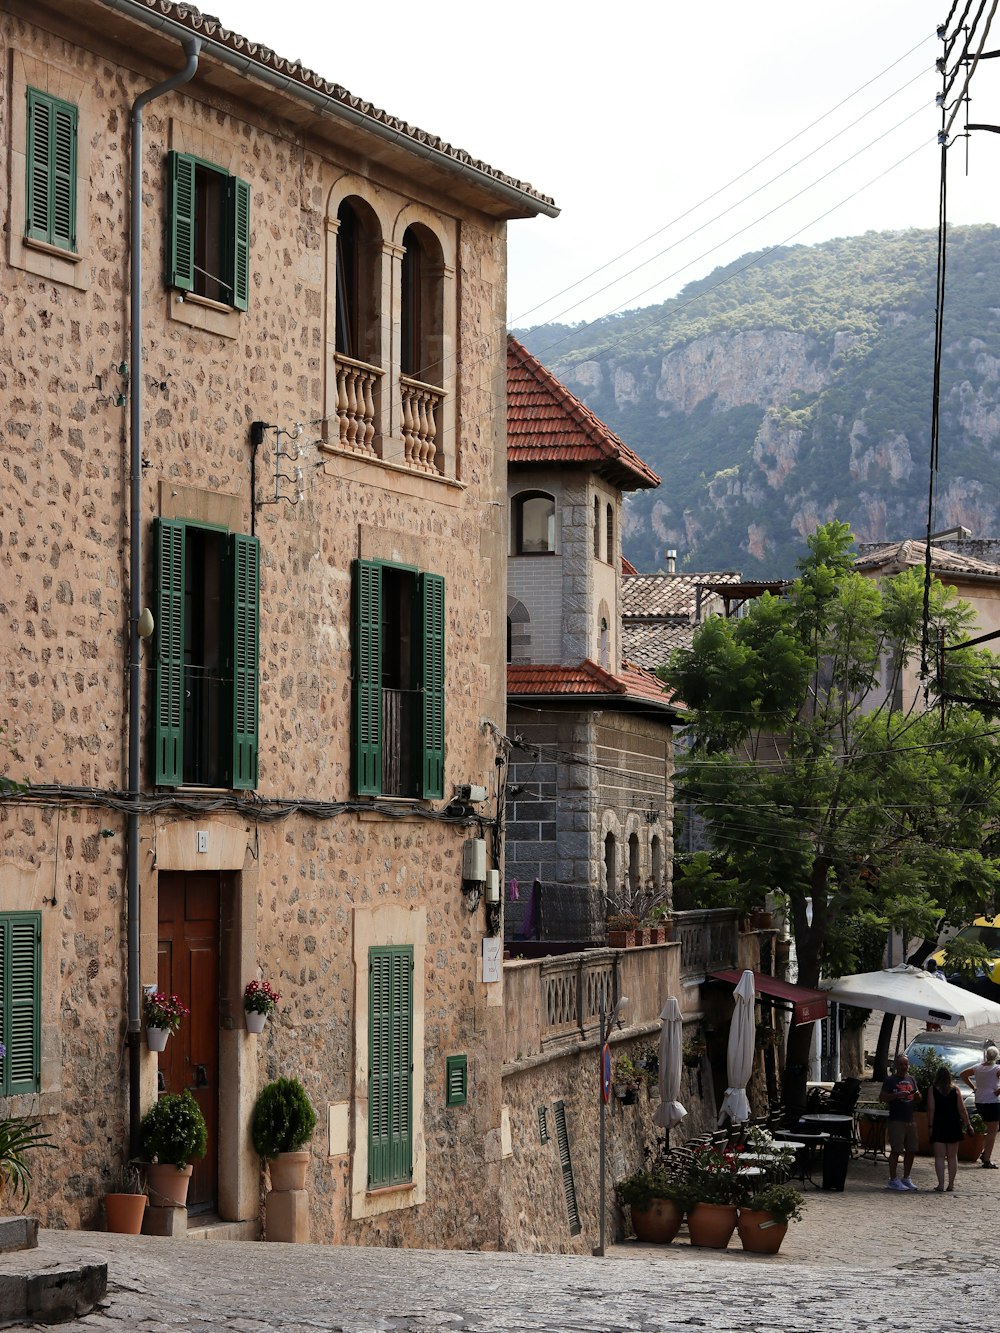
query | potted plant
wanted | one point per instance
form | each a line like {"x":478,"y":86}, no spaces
{"x":283,"y":1121}
{"x":647,"y":1062}
{"x":259,"y":1002}
{"x":162,"y":1015}
{"x":125,"y":1201}
{"x":716,"y":1192}
{"x":172,"y":1134}
{"x":621,"y":930}
{"x":657,"y":1199}
{"x":970,"y":1148}
{"x":923,"y":1071}
{"x":626,"y":1080}
{"x":692,"y":1052}
{"x":763,"y":1221}
{"x":18,"y":1137}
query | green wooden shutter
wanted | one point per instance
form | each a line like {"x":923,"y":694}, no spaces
{"x":390,"y":1066}
{"x":180,"y":222}
{"x":244,"y":554}
{"x":50,"y":186}
{"x":20,"y":1018}
{"x":168,"y":763}
{"x":430,"y":593}
{"x":367,"y":685}
{"x":240,"y":196}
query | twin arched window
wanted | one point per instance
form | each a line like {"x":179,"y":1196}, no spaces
{"x":534,"y":523}
{"x":359,"y":255}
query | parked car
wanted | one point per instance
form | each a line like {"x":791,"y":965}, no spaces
{"x":956,"y":1049}
{"x":984,"y":930}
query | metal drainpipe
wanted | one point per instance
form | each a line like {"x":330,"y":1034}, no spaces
{"x":192,"y":45}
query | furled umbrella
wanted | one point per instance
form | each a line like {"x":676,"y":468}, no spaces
{"x":739,"y":1054}
{"x":670,"y":1111}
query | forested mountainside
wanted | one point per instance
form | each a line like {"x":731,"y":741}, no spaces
{"x":794,"y":386}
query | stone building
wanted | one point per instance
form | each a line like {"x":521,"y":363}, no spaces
{"x":589,"y":812}
{"x":276,"y":430}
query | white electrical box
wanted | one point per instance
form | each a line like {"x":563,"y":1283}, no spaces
{"x":202,"y":840}
{"x":474,"y":861}
{"x":493,"y":886}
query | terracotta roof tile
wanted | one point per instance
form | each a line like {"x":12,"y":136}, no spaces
{"x":654,"y":595}
{"x":649,"y":645}
{"x":296,"y":74}
{"x":587,"y":680}
{"x":547,"y":424}
{"x":905,"y":555}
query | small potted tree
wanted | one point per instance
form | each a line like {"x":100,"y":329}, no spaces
{"x":172,"y":1134}
{"x":657,"y":1200}
{"x":763,"y":1222}
{"x":283,"y":1122}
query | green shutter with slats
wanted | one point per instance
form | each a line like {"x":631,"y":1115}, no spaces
{"x":50,"y":188}
{"x":244,"y":556}
{"x":20,"y":1001}
{"x":566,"y":1165}
{"x":430,"y":592}
{"x":367,"y":684}
{"x":239,"y":193}
{"x":168,"y":709}
{"x":180,"y":222}
{"x":456,"y":1080}
{"x":390,"y":1066}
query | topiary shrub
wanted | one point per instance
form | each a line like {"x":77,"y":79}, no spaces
{"x":283,"y":1118}
{"x":173,"y":1130}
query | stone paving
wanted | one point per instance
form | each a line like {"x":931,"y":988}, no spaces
{"x":860,"y":1260}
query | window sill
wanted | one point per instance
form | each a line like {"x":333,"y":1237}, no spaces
{"x":369,"y":469}
{"x":381,"y":1191}
{"x":200,"y":312}
{"x":47,"y":248}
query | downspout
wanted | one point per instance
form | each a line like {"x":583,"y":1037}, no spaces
{"x":192,"y":45}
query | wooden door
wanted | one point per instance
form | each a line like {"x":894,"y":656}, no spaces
{"x":188,"y":959}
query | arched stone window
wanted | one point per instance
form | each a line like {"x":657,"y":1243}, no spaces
{"x":358,"y":326}
{"x":605,"y":649}
{"x":610,"y":866}
{"x":597,"y":527}
{"x":518,"y":631}
{"x":421,"y":353}
{"x":534,"y":524}
{"x":609,"y":553}
{"x":634,"y":881}
{"x":656,"y":850}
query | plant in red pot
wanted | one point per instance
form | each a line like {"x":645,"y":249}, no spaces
{"x":283,"y":1122}
{"x":658,"y":1199}
{"x":172,"y":1135}
{"x":764,"y":1220}
{"x":717,"y":1189}
{"x":125,"y":1201}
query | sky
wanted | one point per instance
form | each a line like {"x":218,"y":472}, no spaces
{"x":685,"y":137}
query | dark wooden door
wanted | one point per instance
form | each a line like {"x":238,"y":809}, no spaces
{"x":189,"y":967}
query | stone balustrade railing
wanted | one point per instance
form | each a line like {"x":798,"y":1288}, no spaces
{"x":709,"y":940}
{"x":357,"y":403}
{"x":421,"y":404}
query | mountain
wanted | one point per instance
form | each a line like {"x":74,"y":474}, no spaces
{"x":794,"y":386}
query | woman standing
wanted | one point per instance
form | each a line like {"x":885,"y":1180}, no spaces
{"x":984,"y":1080}
{"x":946,"y":1114}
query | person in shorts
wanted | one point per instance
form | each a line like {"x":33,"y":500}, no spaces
{"x":984,"y":1080}
{"x":899,"y":1092}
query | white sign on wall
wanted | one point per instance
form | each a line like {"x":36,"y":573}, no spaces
{"x":492,"y":956}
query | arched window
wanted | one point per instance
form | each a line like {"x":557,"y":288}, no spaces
{"x":604,"y":645}
{"x":510,"y":641}
{"x":610,"y":869}
{"x":597,"y":527}
{"x":609,"y":554}
{"x":421,"y":311}
{"x":358,"y":284}
{"x":534,"y":523}
{"x":633,"y":862}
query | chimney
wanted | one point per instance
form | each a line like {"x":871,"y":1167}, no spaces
{"x":671,"y":562}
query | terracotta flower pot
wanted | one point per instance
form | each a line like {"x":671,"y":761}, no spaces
{"x":923,"y":1134}
{"x":168,"y":1184}
{"x":621,"y":939}
{"x":659,"y":1223}
{"x":124,"y":1212}
{"x":711,"y":1225}
{"x":288,"y":1170}
{"x":970,"y":1148}
{"x":759,"y":1231}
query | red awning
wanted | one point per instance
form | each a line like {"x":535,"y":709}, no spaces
{"x":807,"y":1005}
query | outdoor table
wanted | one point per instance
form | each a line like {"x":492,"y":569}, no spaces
{"x":841,"y":1126}
{"x":871,"y":1130}
{"x":808,"y":1153}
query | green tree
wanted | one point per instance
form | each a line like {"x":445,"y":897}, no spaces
{"x":817,"y":785}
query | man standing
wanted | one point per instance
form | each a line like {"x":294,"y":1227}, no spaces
{"x":898,"y":1093}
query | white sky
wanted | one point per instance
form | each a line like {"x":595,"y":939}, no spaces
{"x":632,"y":114}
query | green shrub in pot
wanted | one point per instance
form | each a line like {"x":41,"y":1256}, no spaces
{"x":283,"y":1118}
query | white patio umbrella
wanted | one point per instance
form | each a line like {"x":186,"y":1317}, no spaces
{"x":916,"y":994}
{"x":670,"y":1111}
{"x":739,"y":1054}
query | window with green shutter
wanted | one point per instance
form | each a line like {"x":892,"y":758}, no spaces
{"x":20,"y":1002}
{"x":50,"y":193}
{"x":398,"y":632}
{"x":390,"y":1066}
{"x":208,"y":231}
{"x":207,"y":648}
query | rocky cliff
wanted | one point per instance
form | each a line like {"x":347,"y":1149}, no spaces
{"x":794,"y":387}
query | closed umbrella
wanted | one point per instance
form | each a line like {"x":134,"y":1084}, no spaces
{"x":739,"y":1054}
{"x":670,"y":1111}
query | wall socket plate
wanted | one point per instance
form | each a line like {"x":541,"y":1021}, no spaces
{"x":202,"y":840}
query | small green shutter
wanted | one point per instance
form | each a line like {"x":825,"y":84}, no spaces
{"x":431,"y":595}
{"x":51,"y":170}
{"x":20,"y":997}
{"x":240,"y":194}
{"x":390,"y":1066}
{"x":244,"y":554}
{"x":456,"y":1080}
{"x":367,"y":648}
{"x":168,"y":536}
{"x":180,"y":222}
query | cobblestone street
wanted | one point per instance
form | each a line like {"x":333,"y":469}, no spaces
{"x":860,"y":1260}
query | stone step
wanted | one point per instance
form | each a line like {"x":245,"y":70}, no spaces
{"x":45,"y":1284}
{"x":214,"y":1229}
